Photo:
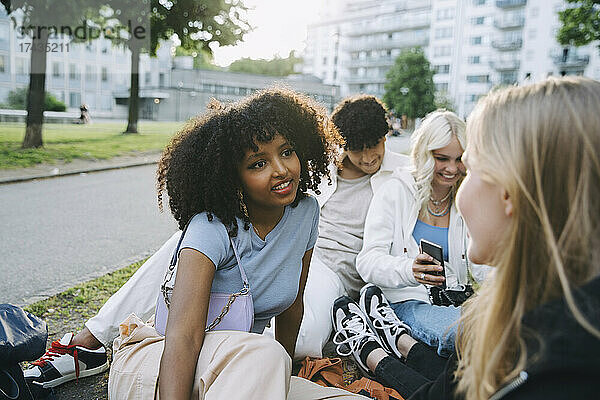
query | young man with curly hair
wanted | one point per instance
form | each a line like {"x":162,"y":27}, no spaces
{"x":365,"y":165}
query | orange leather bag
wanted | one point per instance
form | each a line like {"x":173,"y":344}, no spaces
{"x":334,"y":372}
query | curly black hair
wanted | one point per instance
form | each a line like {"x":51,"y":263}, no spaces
{"x":361,"y":120}
{"x":199,"y":168}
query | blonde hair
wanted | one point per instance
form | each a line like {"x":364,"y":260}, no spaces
{"x":540,"y":143}
{"x":436,"y":131}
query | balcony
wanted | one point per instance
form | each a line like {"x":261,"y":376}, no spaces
{"x":507,"y":44}
{"x":569,"y":60}
{"x":400,"y":24}
{"x":377,"y":44}
{"x":509,"y":23}
{"x":505,"y":65}
{"x":366,"y":79}
{"x":371,"y":62}
{"x":510,"y":3}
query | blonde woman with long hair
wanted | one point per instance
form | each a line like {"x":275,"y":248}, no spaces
{"x":531,"y":202}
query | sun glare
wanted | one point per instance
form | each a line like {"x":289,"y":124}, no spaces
{"x":279,"y":27}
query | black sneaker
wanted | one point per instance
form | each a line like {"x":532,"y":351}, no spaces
{"x":64,"y":362}
{"x":352,"y":333}
{"x":382,"y":318}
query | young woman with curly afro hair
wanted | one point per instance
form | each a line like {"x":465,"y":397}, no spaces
{"x":236,"y":176}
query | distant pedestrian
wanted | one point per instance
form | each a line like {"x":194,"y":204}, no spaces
{"x":84,"y":116}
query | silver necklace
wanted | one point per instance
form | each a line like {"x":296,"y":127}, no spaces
{"x":438,"y":202}
{"x":441,"y":213}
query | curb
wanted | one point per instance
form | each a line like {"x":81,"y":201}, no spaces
{"x":6,"y":181}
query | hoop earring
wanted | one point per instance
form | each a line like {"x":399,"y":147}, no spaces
{"x":242,"y":205}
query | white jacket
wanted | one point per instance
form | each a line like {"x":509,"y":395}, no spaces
{"x":391,"y":162}
{"x":389,"y":248}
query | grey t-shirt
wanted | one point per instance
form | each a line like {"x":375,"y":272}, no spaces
{"x":341,"y":229}
{"x":272,"y":265}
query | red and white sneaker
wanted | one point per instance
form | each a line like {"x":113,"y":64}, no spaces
{"x":64,"y":362}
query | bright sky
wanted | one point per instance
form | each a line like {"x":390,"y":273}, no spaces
{"x":280,"y":26}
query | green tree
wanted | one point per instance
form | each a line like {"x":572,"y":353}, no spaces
{"x":17,"y":99}
{"x":276,"y":66}
{"x":580,"y":23}
{"x":409,"y":89}
{"x":442,"y":100}
{"x":37,"y":19}
{"x":202,"y":59}
{"x":196,"y":24}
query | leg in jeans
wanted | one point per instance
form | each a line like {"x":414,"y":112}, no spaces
{"x":432,"y":325}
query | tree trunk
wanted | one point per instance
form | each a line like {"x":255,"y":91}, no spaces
{"x":134,"y":91}
{"x":36,"y":92}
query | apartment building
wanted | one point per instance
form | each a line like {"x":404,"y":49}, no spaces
{"x":473,"y":45}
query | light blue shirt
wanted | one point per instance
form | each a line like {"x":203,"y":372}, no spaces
{"x":432,"y":233}
{"x":273,"y":265}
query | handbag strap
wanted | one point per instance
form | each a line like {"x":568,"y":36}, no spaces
{"x":173,"y":262}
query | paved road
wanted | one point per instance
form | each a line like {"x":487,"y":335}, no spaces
{"x":57,"y":232}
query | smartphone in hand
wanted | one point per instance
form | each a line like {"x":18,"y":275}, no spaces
{"x":437,"y":252}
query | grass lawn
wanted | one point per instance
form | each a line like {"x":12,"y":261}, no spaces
{"x":68,"y":311}
{"x":64,"y":142}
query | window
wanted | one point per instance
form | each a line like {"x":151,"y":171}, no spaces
{"x":324,"y":60}
{"x":147,"y":78}
{"x":473,"y":97}
{"x":73,"y":72}
{"x":22,"y":66}
{"x":90,"y":73}
{"x":478,"y":2}
{"x":3,"y":68}
{"x":474,"y":60}
{"x":478,"y":20}
{"x":74,"y":99}
{"x":442,"y":69}
{"x":446,"y":13}
{"x":442,"y":51}
{"x":104,"y":74}
{"x":529,"y":55}
{"x":4,"y":36}
{"x":508,"y":78}
{"x":441,"y":87}
{"x":441,"y":33}
{"x":56,"y":72}
{"x":475,"y":40}
{"x":532,"y":33}
{"x":478,"y":78}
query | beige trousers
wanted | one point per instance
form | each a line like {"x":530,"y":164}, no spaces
{"x":231,"y":365}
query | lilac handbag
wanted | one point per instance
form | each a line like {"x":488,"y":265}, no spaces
{"x":226,"y":311}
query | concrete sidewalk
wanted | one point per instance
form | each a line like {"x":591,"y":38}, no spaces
{"x":77,"y":166}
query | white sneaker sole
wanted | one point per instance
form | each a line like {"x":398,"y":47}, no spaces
{"x":71,"y":377}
